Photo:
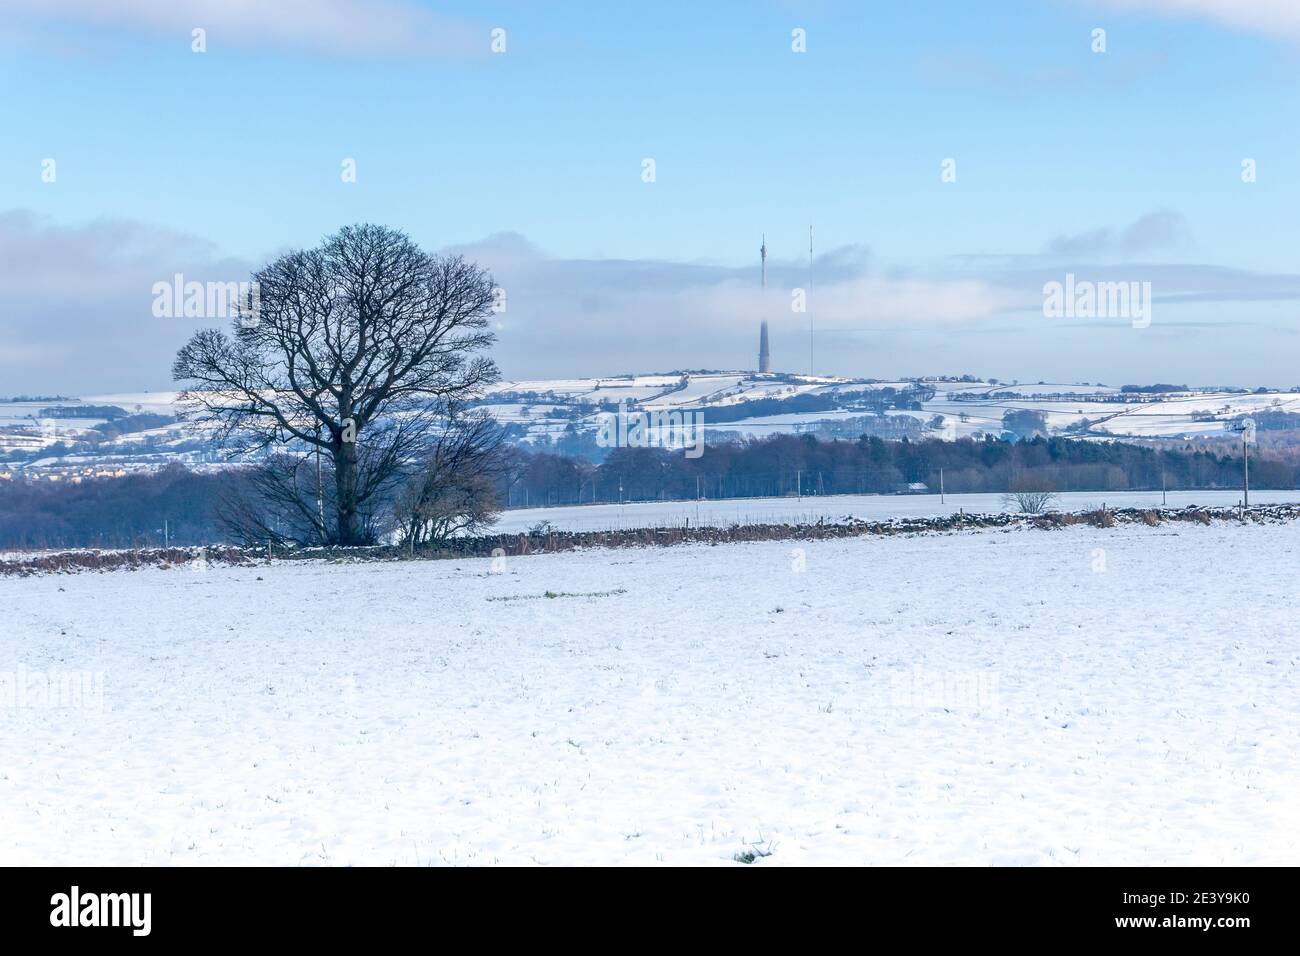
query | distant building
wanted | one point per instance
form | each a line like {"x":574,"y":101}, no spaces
{"x":911,"y":488}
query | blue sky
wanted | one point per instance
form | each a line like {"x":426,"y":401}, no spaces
{"x":532,"y":159}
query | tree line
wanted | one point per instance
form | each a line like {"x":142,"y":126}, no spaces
{"x":459,"y":494}
{"x":801,"y":464}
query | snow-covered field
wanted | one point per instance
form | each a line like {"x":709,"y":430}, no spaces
{"x":1071,"y":697}
{"x":729,"y":511}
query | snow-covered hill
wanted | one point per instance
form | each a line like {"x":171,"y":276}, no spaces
{"x":542,"y":411}
{"x":964,"y":408}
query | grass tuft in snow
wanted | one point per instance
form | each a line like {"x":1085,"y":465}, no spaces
{"x":550,"y":595}
{"x":755,"y":853}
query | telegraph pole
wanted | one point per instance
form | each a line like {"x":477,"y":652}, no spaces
{"x":941,"y":486}
{"x":320,"y":493}
{"x":1247,"y":436}
{"x":809,"y":300}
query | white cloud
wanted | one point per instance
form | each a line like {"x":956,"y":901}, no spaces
{"x":76,"y":317}
{"x":341,"y":27}
{"x":603,"y":316}
{"x":1162,"y":229}
{"x":1269,"y":17}
{"x":77,"y":311}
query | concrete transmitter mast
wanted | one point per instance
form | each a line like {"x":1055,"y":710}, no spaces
{"x":764,"y":352}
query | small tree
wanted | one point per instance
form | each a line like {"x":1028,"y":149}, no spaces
{"x":356,"y":349}
{"x":452,"y":488}
{"x":278,"y":499}
{"x":1031,"y":502}
{"x":1025,"y":422}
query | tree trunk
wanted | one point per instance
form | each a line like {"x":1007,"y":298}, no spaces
{"x":345,"y":490}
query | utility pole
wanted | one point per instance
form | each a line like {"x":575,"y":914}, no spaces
{"x":798,"y":484}
{"x":1245,"y":472}
{"x":166,"y":534}
{"x":320,"y":493}
{"x":1163,"y":500}
{"x":941,"y":486}
{"x":1247,"y":436}
{"x":809,"y":301}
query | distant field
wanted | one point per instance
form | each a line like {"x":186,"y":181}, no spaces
{"x":872,"y":507}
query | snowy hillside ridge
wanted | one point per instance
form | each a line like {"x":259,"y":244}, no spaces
{"x":940,"y":407}
{"x":115,"y":434}
{"x":545,"y":540}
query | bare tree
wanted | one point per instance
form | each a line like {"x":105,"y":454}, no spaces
{"x":1025,"y":423}
{"x":1032,"y":491}
{"x":452,"y":489}
{"x":356,"y":349}
{"x":1031,"y":502}
{"x":282,"y":499}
